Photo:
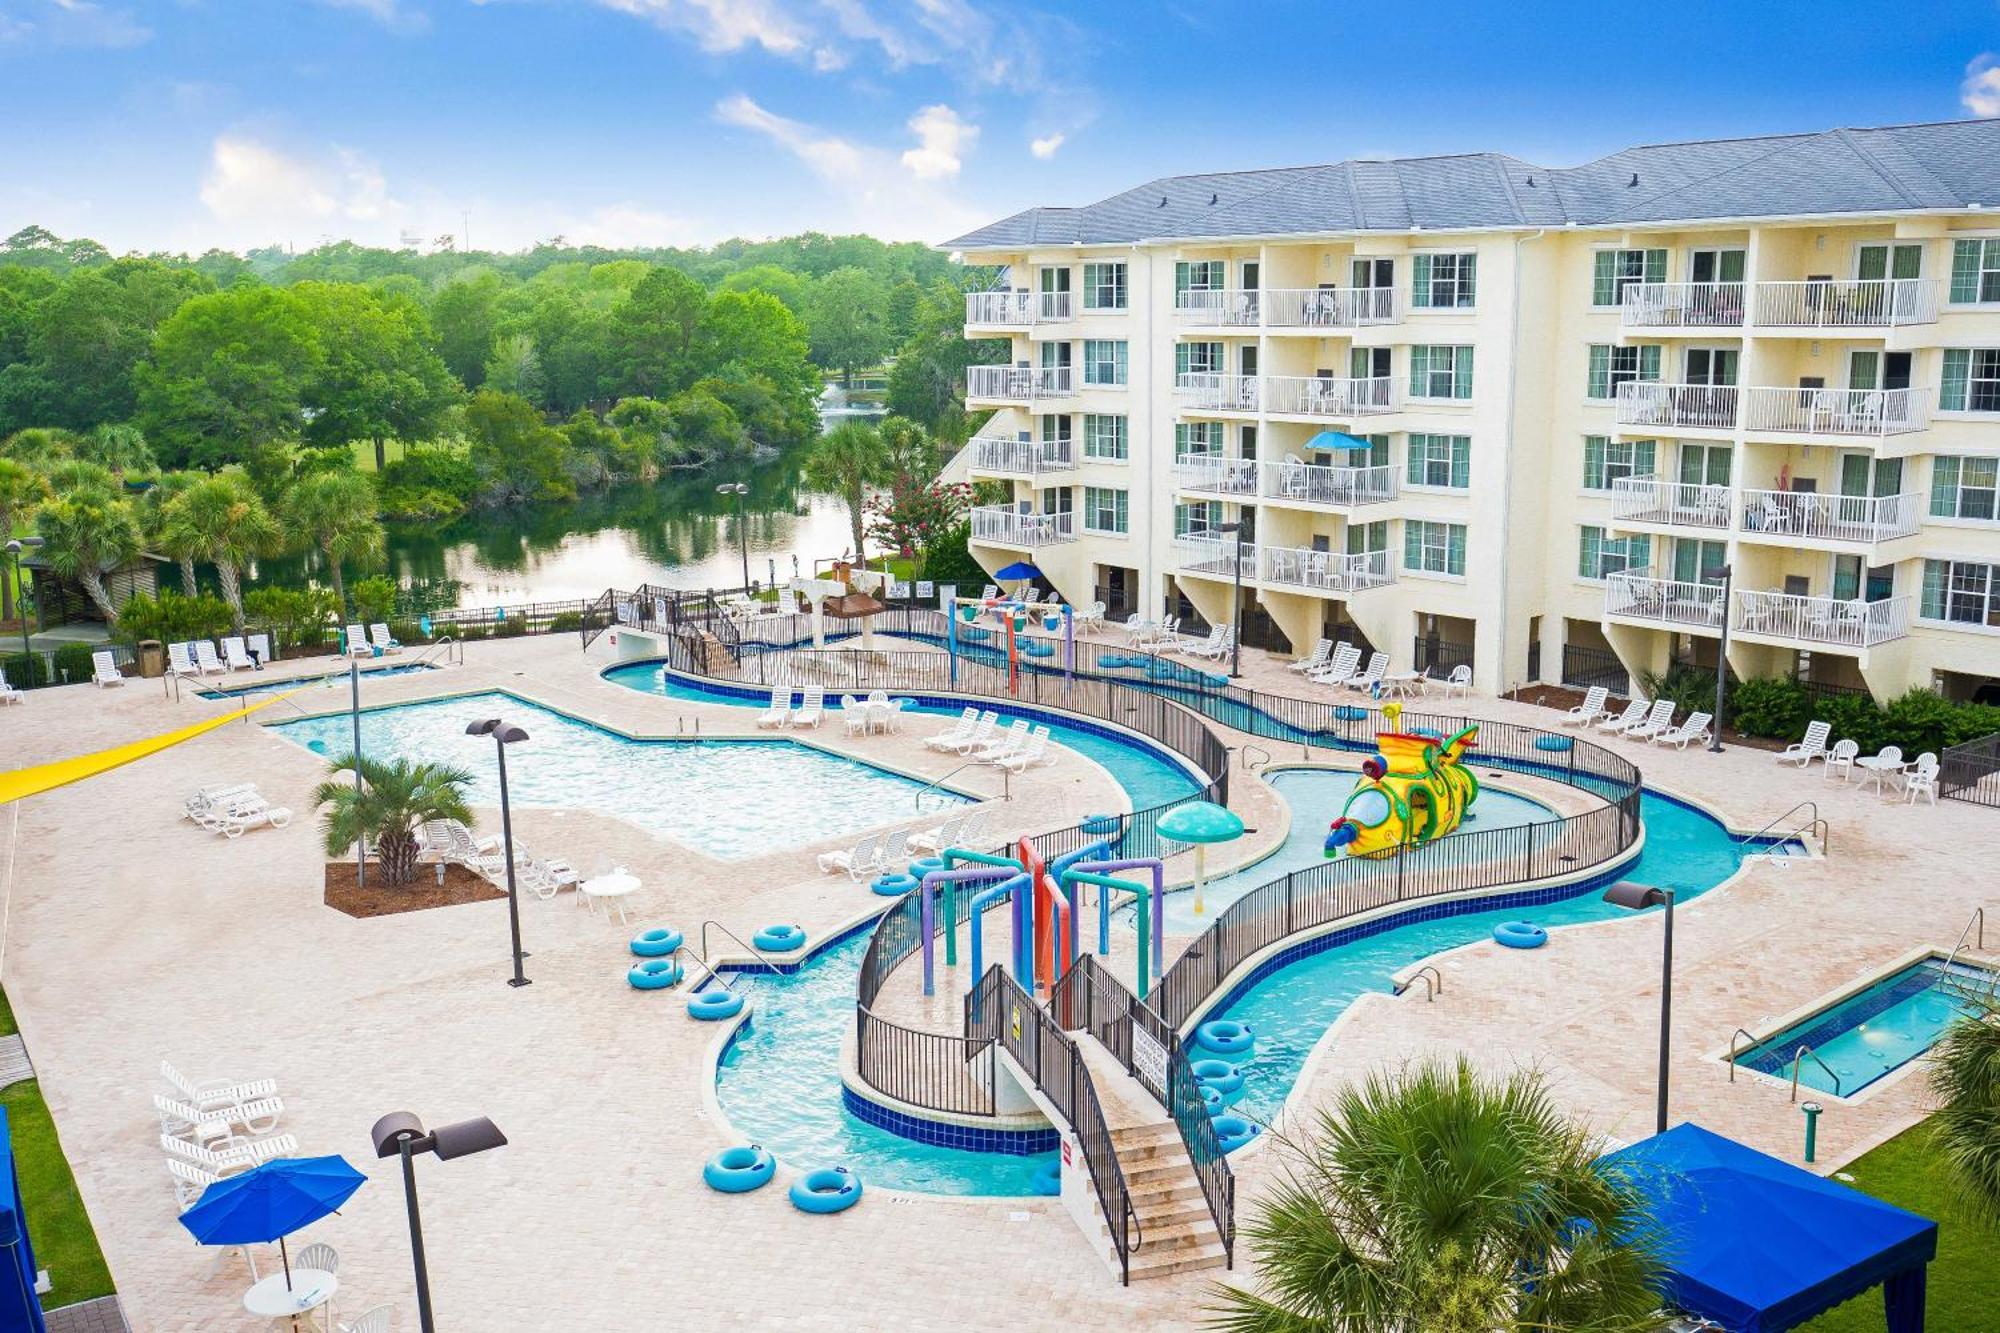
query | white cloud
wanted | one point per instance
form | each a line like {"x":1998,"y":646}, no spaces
{"x":943,"y":137}
{"x":725,"y":25}
{"x":84,"y":23}
{"x":626,"y":225}
{"x":259,"y":192}
{"x":1046,"y":146}
{"x":1981,"y":90}
{"x":391,"y":14}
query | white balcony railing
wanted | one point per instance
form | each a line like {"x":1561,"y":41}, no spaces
{"x":1331,"y":307}
{"x":1224,"y":308}
{"x":1654,"y":500}
{"x":1310,"y":483}
{"x":1635,"y":594}
{"x":1205,"y":392}
{"x":1649,"y":403}
{"x":1847,"y":622}
{"x":1214,"y":553}
{"x":1213,"y":472}
{"x":1704,"y":305}
{"x":1325,"y":396}
{"x":1017,"y":307}
{"x":1849,"y":412}
{"x":1019,"y":384}
{"x":1015,"y":456}
{"x":1863,"y":303}
{"x":1324,"y":571}
{"x":1003,"y":526}
{"x":1838,"y":518}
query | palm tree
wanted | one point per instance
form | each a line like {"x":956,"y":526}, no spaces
{"x":847,"y":460}
{"x":220,"y":519}
{"x":21,"y":487}
{"x":153,"y":519}
{"x":393,"y":799}
{"x":334,"y":512}
{"x":1440,"y":1201}
{"x":86,"y":532}
{"x":1965,"y":1075}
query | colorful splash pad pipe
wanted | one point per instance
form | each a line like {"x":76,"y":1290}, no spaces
{"x":978,"y":867}
{"x":1152,"y":914}
{"x":1058,"y":917}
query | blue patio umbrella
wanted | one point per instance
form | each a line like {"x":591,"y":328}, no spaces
{"x":1020,"y":569}
{"x":1334,"y":439}
{"x":272,"y":1201}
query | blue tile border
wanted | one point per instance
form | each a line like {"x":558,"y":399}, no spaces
{"x":937,"y":1133}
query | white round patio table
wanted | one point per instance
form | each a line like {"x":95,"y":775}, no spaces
{"x":311,"y":1288}
{"x":612,"y":890}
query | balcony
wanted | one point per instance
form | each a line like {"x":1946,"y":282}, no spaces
{"x":1016,"y":456}
{"x":1301,"y":567}
{"x":1016,"y":309}
{"x":1848,"y":413}
{"x":1648,"y":403}
{"x":1681,"y":305}
{"x":1214,"y":554}
{"x":1205,"y":392}
{"x":1218,"y":309}
{"x":1865,"y":303}
{"x":1328,"y":398}
{"x":1784,"y":516}
{"x":1342,"y":487}
{"x":1670,"y":503}
{"x":1215,"y":474}
{"x":1019,"y":384}
{"x":1318,"y":308}
{"x":1638,"y":595}
{"x":999,"y":525}
{"x":1841,"y":622}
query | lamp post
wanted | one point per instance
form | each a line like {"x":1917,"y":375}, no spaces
{"x":400,"y":1133}
{"x":14,"y":548}
{"x":1236,"y":603}
{"x":739,"y":490}
{"x":1721,"y":663}
{"x":1637,"y":897}
{"x":505,"y":734}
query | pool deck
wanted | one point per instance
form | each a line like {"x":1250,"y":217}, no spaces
{"x":130,"y":936}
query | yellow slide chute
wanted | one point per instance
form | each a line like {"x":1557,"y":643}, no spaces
{"x":19,"y":782}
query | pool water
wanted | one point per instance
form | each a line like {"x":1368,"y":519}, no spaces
{"x":730,"y":799}
{"x":1875,"y":1032}
{"x":327,"y":681}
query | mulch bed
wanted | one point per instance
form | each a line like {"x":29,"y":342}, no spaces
{"x":378,"y":899}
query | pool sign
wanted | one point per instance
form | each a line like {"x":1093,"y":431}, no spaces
{"x":1149,"y":1058}
{"x":926,"y":590}
{"x":1014,"y":1017}
{"x":899,"y":589}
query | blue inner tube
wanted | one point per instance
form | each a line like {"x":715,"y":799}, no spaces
{"x":829,"y":1190}
{"x":1098,"y":825}
{"x":1224,"y":1077}
{"x":656,"y":943}
{"x":1225,"y":1036}
{"x":1233,"y":1131}
{"x":1048,"y":1178}
{"x":1039,"y":648}
{"x":739,"y":1170}
{"x":1211,"y":1099}
{"x":1350,"y":713}
{"x":1555,"y":743}
{"x":654,"y":974}
{"x":1520,"y":935}
{"x":779,"y":939}
{"x":711,"y":1005}
{"x":1114,"y":661}
{"x":894,"y":884}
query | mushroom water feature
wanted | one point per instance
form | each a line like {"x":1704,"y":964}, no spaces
{"x":1200,"y":823}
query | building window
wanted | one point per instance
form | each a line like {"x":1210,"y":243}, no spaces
{"x":1615,"y":270}
{"x":1104,"y":438}
{"x":1363,"y":538}
{"x":1106,"y":510}
{"x":1961,"y":592}
{"x":1440,"y":372}
{"x":1975,"y":271}
{"x":1599,"y":556}
{"x":1104,"y":286}
{"x":1440,"y":460}
{"x":1198,"y":359}
{"x":1606,"y":460}
{"x":1192,"y":520}
{"x":1964,"y":487}
{"x":1433,"y":548}
{"x":1104,"y":362}
{"x":1197,"y":437}
{"x":1443,"y":282}
{"x":1971,"y":380}
{"x":1612,"y":366}
{"x":1200,"y":275}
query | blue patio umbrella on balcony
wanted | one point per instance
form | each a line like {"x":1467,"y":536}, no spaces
{"x":272,"y":1201}
{"x":1020,"y":569}
{"x":1336,"y":439}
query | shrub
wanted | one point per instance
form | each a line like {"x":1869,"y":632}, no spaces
{"x":950,"y":562}
{"x":408,"y":631}
{"x":565,"y":621}
{"x":1854,"y":717}
{"x":171,"y":617}
{"x":295,"y":617}
{"x":468,"y":632}
{"x":1691,"y":688}
{"x":1778,"y":709}
{"x":25,"y":671}
{"x":74,"y":664}
{"x":374,"y":598}
{"x":512,"y":628}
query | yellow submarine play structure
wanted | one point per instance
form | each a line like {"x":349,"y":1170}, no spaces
{"x":1416,"y":789}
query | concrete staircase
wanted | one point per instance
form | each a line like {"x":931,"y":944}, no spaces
{"x":1175,"y":1232}
{"x":712,"y":656}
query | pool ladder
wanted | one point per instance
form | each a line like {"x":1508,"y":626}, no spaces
{"x":1432,"y":989}
{"x":1798,"y":1061}
{"x":709,"y":968}
{"x":1814,"y":825}
{"x":1263,"y":759}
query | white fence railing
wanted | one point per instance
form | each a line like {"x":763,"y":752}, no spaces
{"x":1652,"y":305}
{"x":1214,"y":553}
{"x":1848,"y":622}
{"x":1331,"y":307}
{"x":1018,"y":306}
{"x":1206,"y":392}
{"x":1655,"y":500}
{"x":1649,"y":403}
{"x":1865,"y":412}
{"x":1021,"y":384}
{"x":1013,"y":455}
{"x":1324,"y":571}
{"x":1213,"y":307}
{"x":1312,"y":483}
{"x":1638,"y":595}
{"x":1847,"y":304}
{"x":1327,"y":396}
{"x":1009,"y":527}
{"x":1840,"y":518}
{"x":1213,"y":472}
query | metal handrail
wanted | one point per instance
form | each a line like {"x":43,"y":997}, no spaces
{"x":917,"y":801}
{"x":452,"y":650}
{"x":1747,"y":1035}
{"x":1251,"y":765}
{"x":1424,"y":974}
{"x":709,"y":967}
{"x":1815,"y":823}
{"x":1798,"y":1057}
{"x":1978,"y":921}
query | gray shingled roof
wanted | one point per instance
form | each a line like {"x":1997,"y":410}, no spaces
{"x":1893,"y":169}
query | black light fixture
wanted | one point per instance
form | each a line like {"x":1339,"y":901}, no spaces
{"x":1236,"y":602}
{"x":739,"y":490}
{"x":1728,"y":573}
{"x":402,"y":1134}
{"x":1636,"y":897}
{"x":505,"y":734}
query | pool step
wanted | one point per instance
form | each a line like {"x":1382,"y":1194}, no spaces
{"x":1175,"y":1232}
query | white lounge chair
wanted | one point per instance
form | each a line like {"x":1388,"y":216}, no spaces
{"x":234,"y":653}
{"x":981,"y":736}
{"x":1459,"y":682}
{"x":951,"y":736}
{"x":944,"y":835}
{"x":855,"y":862}
{"x":1591,"y":709}
{"x":1812,"y":747}
{"x":180,"y":660}
{"x":1658,"y":719}
{"x":227,"y":1156}
{"x":206,"y":660}
{"x":1634,"y":714}
{"x":378,"y":637}
{"x":104,"y":669}
{"x":780,"y":711}
{"x":206,"y":799}
{"x":190,"y":1182}
{"x":1840,"y":759}
{"x":896,"y":851}
{"x":1694,"y":729}
{"x":1339,"y":668}
{"x":1316,"y":658}
{"x":260,"y":649}
{"x":210,"y":1093}
{"x":1035,"y":752}
{"x":355,"y":642}
{"x":990,"y":592}
{"x":239,"y":819}
{"x":1008,"y":745}
{"x":185,"y":1121}
{"x":1378,"y":667}
{"x":1220,"y":644}
{"x":1922,"y":777}
{"x":1168,"y":631}
{"x":812,"y":708}
{"x":10,"y":695}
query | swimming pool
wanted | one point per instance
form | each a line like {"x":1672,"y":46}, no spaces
{"x":729,"y":798}
{"x":1871,"y":1034}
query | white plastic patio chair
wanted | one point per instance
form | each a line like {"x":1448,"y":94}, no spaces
{"x":1339,"y":668}
{"x":190,"y":1181}
{"x":210,"y":1093}
{"x":1459,"y":682}
{"x":378,"y":637}
{"x":958,"y":731}
{"x":812,"y":708}
{"x":1138,"y":629}
{"x":10,"y":695}
{"x":1811,"y":747}
{"x":1591,"y":709}
{"x":989,"y":592}
{"x":1219,"y":645}
{"x":185,"y":1121}
{"x":237,"y":820}
{"x":180,"y":660}
{"x":226,"y":1157}
{"x":855,"y":861}
{"x":1202,"y":647}
{"x":1378,"y":667}
{"x":1634,"y":714}
{"x":1694,"y":729}
{"x":355,"y":642}
{"x":319,"y":1255}
{"x":1840,"y":759}
{"x":1316,"y":658}
{"x":1658,"y":719}
{"x":236,"y":655}
{"x":945,"y":835}
{"x":1922,"y":777}
{"x":104,"y":669}
{"x":1887,"y":761}
{"x":206,"y":660}
{"x":206,"y":799}
{"x":1090,"y":617}
{"x":1035,"y":752}
{"x":780,"y":712}
{"x":853,"y":718}
{"x":369,"y":1321}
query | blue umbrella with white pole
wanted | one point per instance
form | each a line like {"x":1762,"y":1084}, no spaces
{"x":1335,"y":439}
{"x":271,"y":1201}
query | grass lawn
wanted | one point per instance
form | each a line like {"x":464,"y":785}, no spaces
{"x":1964,"y":1287}
{"x":65,"y":1244}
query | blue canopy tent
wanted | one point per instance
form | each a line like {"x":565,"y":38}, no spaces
{"x":1334,"y":439}
{"x":20,"y":1308}
{"x":1758,"y":1245}
{"x":1020,"y":569}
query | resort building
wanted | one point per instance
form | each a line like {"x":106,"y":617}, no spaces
{"x":1474,"y":410}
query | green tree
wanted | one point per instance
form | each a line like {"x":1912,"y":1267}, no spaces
{"x":517,"y":455}
{"x":909,"y":448}
{"x":21,"y":489}
{"x":85,"y":533}
{"x":227,"y":377}
{"x":85,"y":339}
{"x":652,"y":333}
{"x":1442,"y":1201}
{"x":220,"y":519}
{"x":927,"y":383}
{"x":334,"y":514}
{"x":376,"y":377}
{"x":847,"y":319}
{"x":121,"y":447}
{"x":753,"y":353}
{"x":846,"y":461}
{"x":781,"y":283}
{"x":385,"y":804}
{"x":1965,"y":1077}
{"x":466,"y":315}
{"x":152,"y":514}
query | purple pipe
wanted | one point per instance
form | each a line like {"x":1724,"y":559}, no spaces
{"x":972,"y":874}
{"x":1158,"y":870}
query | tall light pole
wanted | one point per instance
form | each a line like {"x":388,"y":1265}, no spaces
{"x":14,"y":548}
{"x":401,"y":1134}
{"x":1236,"y":602}
{"x":739,"y":490}
{"x":1636,"y":897}
{"x":505,"y":734}
{"x":1721,"y":664}
{"x":354,"y":715}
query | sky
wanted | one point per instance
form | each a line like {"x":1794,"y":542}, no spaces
{"x":186,"y":124}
